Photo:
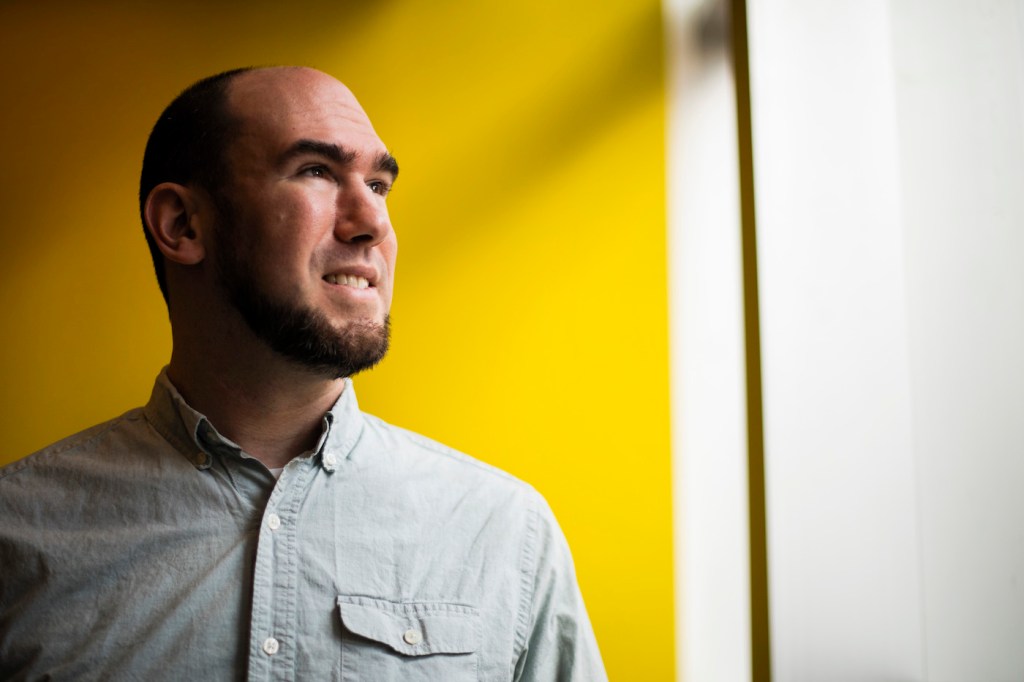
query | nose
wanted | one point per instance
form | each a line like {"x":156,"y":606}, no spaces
{"x":362,"y":216}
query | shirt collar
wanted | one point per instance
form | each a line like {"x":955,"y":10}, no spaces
{"x":192,"y":434}
{"x":343,"y":425}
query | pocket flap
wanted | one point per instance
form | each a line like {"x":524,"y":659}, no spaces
{"x":413,"y":629}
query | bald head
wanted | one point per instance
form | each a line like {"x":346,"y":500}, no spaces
{"x":276,"y":89}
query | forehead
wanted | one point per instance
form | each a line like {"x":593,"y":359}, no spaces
{"x":276,"y":107}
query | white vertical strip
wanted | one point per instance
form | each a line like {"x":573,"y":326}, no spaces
{"x":841,"y":492}
{"x":708,"y":385}
{"x":961,"y":114}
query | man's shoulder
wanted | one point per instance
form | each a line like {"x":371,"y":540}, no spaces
{"x":76,"y":449}
{"x":415,"y":452}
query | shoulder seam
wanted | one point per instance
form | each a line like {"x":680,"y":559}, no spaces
{"x":528,"y":570}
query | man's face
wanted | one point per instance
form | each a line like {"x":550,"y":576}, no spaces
{"x":303,"y":245}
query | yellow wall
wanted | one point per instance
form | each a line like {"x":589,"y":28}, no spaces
{"x":530,"y":318}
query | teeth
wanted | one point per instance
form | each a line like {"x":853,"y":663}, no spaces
{"x":348,"y":280}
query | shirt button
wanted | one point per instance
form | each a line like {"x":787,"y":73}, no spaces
{"x":412,"y":637}
{"x":270,"y":646}
{"x":330,"y":461}
{"x":274,"y":522}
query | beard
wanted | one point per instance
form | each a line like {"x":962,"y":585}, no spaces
{"x":299,"y":333}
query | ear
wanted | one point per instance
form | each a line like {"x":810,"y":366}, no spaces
{"x":178,"y":218}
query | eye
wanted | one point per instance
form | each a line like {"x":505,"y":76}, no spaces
{"x":318,"y":171}
{"x":379,"y":187}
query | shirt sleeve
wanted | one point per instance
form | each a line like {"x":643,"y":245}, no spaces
{"x":559,"y":644}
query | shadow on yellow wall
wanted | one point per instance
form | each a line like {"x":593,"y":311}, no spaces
{"x":530,"y":316}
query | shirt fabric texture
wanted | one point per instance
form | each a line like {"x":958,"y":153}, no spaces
{"x":153,"y":548}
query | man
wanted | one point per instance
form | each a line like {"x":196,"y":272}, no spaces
{"x":249,"y":521}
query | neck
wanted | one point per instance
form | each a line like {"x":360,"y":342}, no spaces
{"x":270,"y":406}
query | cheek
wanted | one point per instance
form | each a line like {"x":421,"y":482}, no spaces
{"x":310,"y":210}
{"x":296,"y":227}
{"x":277,"y":261}
{"x":294,"y":206}
{"x":390,"y":257}
{"x":390,"y":249}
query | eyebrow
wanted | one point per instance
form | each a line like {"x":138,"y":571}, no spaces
{"x":384,"y":163}
{"x":387,"y":164}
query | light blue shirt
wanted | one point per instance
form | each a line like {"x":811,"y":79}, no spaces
{"x":151,"y":547}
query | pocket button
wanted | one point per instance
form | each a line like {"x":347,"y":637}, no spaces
{"x":412,"y":637}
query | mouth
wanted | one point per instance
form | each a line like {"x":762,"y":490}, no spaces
{"x":344,"y":279}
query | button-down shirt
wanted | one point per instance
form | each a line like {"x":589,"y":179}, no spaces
{"x":152,"y":547}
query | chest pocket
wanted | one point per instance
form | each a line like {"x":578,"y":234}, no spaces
{"x":384,"y":640}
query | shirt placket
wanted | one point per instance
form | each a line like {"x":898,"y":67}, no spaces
{"x":272,"y":644}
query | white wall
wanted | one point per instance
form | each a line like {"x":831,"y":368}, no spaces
{"x":960,"y":100}
{"x":889,"y":161}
